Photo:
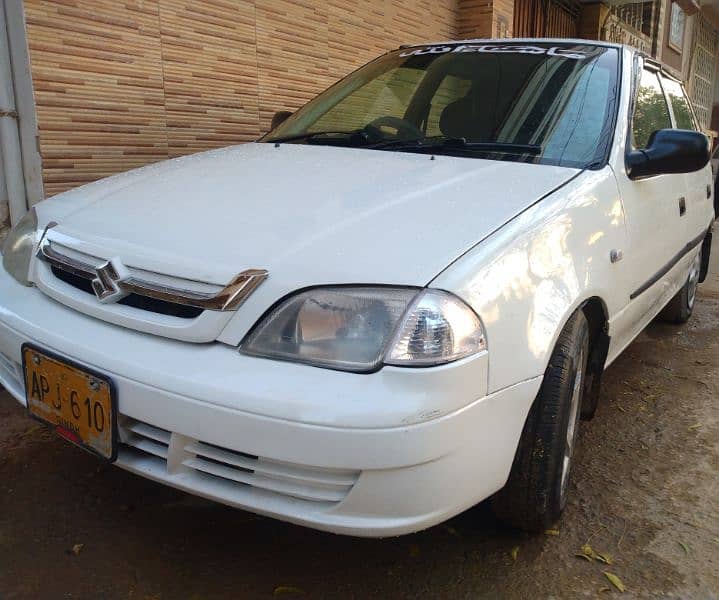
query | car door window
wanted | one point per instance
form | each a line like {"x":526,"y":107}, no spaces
{"x":650,"y":112}
{"x":680,"y":104}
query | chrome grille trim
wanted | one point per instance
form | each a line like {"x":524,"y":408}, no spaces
{"x":229,"y":298}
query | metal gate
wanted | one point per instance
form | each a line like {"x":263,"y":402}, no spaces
{"x":546,"y":18}
{"x":703,"y":69}
{"x":632,"y":24}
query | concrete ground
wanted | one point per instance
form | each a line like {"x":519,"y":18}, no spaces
{"x":645,"y":492}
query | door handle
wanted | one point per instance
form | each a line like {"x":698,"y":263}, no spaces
{"x":682,"y":206}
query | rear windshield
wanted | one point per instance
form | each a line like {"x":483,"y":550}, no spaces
{"x":545,"y":103}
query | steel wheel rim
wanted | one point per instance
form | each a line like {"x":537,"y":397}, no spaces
{"x":693,"y":280}
{"x":572,"y":427}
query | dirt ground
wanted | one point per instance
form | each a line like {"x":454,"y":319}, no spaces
{"x":645,"y":491}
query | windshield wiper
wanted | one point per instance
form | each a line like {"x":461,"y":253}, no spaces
{"x":434,"y":144}
{"x":316,"y":134}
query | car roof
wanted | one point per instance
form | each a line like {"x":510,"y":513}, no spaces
{"x":600,"y":43}
{"x":524,"y":41}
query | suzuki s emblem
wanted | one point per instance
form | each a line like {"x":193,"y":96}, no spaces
{"x":108,"y":283}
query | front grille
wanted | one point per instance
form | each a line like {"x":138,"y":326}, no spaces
{"x":147,"y":439}
{"x":134,"y":300}
{"x":300,"y":482}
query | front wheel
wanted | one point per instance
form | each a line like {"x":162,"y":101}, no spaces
{"x":536,"y":491}
{"x":681,"y":306}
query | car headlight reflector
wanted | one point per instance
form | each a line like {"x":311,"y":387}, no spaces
{"x":438,"y":328}
{"x":360,"y":328}
{"x":18,"y":248}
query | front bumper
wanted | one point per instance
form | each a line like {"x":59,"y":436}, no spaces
{"x":371,"y":455}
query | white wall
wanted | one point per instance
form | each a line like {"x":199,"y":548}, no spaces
{"x":20,"y":163}
{"x":4,"y":213}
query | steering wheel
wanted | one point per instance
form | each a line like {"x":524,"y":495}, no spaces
{"x":401,"y":126}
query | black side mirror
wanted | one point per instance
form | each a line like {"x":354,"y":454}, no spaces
{"x":280,"y":117}
{"x":669,"y":151}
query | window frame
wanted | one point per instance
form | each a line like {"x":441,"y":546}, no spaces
{"x":640,"y":64}
{"x":678,"y":48}
{"x":664,"y":75}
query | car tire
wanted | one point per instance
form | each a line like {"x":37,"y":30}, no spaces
{"x":681,"y":306}
{"x":536,"y":491}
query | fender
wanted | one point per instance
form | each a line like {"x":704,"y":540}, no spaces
{"x":527,"y":278}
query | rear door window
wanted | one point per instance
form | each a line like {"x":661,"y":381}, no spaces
{"x":680,"y":104}
{"x":650,"y":112}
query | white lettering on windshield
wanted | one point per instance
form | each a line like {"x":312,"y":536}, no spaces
{"x":495,"y":49}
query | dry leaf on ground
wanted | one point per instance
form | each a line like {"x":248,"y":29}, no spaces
{"x":615,"y":581}
{"x":288,"y":590}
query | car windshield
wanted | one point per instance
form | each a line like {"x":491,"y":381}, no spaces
{"x":545,"y":103}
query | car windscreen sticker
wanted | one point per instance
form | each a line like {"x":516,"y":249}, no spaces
{"x":496,"y":49}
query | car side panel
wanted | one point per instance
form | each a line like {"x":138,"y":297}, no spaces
{"x":630,"y":322}
{"x":526,"y":279}
{"x":700,"y":202}
{"x":664,"y":213}
{"x":699,"y":186}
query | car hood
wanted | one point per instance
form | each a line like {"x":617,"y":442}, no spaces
{"x":308,"y":214}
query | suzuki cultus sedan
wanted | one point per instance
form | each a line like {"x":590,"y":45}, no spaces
{"x":396,"y":304}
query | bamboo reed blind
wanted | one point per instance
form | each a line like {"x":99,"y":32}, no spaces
{"x":122,"y":83}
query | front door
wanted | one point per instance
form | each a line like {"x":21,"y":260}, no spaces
{"x":698,"y":185}
{"x":655,"y":209}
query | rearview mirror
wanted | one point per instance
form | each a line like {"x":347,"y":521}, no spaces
{"x":669,"y":151}
{"x":280,"y":117}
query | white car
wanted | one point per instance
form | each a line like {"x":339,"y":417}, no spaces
{"x":715,"y":170}
{"x":396,"y":304}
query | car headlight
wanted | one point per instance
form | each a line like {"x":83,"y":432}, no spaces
{"x":360,"y":328}
{"x":18,"y":248}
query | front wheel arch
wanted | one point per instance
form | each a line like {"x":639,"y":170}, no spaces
{"x":535,"y":492}
{"x":706,"y":255}
{"x":597,"y":315}
{"x":595,"y":311}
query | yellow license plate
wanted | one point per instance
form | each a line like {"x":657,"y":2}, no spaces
{"x":77,"y":403}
